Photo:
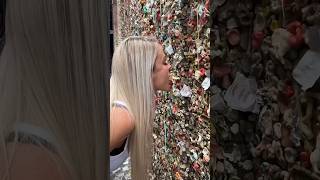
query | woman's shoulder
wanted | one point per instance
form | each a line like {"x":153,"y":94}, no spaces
{"x":121,"y":120}
{"x":121,"y":117}
{"x":34,"y":162}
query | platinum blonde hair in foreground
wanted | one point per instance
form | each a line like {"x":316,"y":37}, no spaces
{"x":131,"y":82}
{"x":52,"y":72}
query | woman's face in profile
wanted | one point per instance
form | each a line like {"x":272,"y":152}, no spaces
{"x":161,"y":70}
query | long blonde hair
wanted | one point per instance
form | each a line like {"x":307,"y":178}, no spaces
{"x":131,"y":82}
{"x":52,"y":76}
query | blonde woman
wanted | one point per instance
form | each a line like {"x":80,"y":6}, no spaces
{"x":139,"y":69}
{"x":52,"y":97}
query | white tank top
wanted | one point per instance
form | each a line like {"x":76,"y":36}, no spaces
{"x":117,"y":160}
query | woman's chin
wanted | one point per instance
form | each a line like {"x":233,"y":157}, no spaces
{"x":167,"y":88}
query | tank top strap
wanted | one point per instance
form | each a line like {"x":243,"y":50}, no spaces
{"x":120,"y":104}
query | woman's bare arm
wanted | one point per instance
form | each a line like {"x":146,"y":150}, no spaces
{"x":121,"y":125}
